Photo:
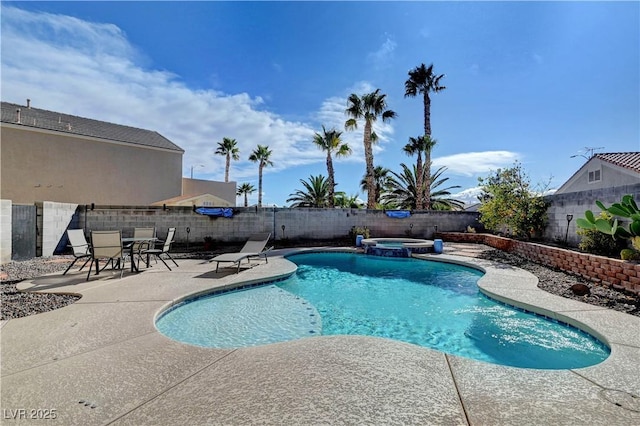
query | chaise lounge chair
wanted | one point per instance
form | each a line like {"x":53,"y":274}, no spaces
{"x":254,"y":247}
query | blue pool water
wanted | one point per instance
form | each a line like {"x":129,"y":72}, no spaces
{"x":431,"y":304}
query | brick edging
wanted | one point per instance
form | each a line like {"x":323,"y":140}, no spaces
{"x":616,"y":273}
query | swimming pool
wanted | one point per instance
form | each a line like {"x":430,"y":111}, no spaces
{"x":431,"y":304}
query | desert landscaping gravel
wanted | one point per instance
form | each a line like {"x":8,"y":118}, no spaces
{"x":16,"y":304}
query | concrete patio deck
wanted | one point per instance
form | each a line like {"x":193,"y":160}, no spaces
{"x":101,"y":361}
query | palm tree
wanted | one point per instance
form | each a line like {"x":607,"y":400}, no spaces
{"x":402,"y":191}
{"x":347,"y":201}
{"x":330,"y":141}
{"x":261,"y":156}
{"x":315,"y":194}
{"x":228,"y":147}
{"x":440,"y":197}
{"x":418,"y":146}
{"x":368,"y":107}
{"x":245,"y":189}
{"x":423,"y":80}
{"x":380,"y":178}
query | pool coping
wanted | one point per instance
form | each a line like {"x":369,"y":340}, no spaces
{"x":36,"y":349}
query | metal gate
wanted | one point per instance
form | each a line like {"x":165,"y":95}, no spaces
{"x":24,"y":233}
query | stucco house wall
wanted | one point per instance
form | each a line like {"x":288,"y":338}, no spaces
{"x":224,"y":190}
{"x":41,"y":165}
{"x":611,"y":176}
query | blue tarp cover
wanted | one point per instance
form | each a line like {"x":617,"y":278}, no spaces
{"x":215,"y":211}
{"x":398,"y":214}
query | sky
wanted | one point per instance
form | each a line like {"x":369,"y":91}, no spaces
{"x":539,"y":83}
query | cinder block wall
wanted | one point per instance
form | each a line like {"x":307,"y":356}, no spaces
{"x":615,"y":273}
{"x":298,"y":223}
{"x":576,"y":203}
{"x":56,"y":218}
{"x":5,"y":231}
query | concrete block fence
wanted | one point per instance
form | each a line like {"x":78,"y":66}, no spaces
{"x":282,"y":223}
{"x":5,"y":231}
{"x":616,"y":273}
{"x":56,"y":218}
{"x":575,"y":204}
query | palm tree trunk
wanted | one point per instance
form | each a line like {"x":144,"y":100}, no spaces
{"x":427,"y":154}
{"x":260,"y":184}
{"x":330,"y":180}
{"x":427,"y":183}
{"x":419,"y":183}
{"x":368,"y":157}
{"x":427,"y":114}
{"x":246,"y":201}
{"x":226,"y":169}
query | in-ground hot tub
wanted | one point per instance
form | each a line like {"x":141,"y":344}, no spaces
{"x":396,"y":247}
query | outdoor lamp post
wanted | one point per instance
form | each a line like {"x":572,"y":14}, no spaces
{"x":192,"y":167}
{"x":566,"y":235}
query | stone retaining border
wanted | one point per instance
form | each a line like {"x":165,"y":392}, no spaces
{"x":616,"y":273}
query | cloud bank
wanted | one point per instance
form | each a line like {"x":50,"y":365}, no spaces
{"x":91,"y":70}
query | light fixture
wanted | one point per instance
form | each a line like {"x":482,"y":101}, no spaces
{"x":192,"y":167}
{"x":566,"y":235}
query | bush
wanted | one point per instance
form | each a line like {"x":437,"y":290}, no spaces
{"x":630,"y":254}
{"x":510,"y":204}
{"x":356,"y":230}
{"x":595,"y":242}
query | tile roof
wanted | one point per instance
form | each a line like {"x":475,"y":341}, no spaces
{"x":628,"y":160}
{"x":59,"y":122}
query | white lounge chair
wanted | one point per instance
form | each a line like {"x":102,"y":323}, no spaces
{"x":80,"y":246}
{"x":254,"y":247}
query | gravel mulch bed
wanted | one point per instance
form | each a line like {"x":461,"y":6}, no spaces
{"x":559,"y":283}
{"x":16,"y":304}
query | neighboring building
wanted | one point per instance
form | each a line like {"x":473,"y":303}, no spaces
{"x":604,"y":177}
{"x":605,"y":171}
{"x":202,"y":200}
{"x":224,"y":192}
{"x":50,"y":156}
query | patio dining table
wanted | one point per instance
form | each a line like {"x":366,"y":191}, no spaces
{"x":131,"y":244}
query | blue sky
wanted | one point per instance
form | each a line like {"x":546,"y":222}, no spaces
{"x":535,"y":82}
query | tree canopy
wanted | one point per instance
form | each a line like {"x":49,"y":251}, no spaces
{"x":510,"y":205}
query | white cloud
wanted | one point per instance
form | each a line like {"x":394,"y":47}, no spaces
{"x":382,"y":57}
{"x":91,"y":70}
{"x":476,"y":163}
{"x":332,"y":114}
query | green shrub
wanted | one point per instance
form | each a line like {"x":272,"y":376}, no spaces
{"x":596,"y":242}
{"x":630,"y":254}
{"x":356,"y":230}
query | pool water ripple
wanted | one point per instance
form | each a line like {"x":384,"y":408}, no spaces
{"x":431,"y":304}
{"x":232,"y":319}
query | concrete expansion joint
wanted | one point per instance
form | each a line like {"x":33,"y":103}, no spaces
{"x":168,"y":388}
{"x":55,"y":359}
{"x":618,"y":397}
{"x":455,"y":384}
